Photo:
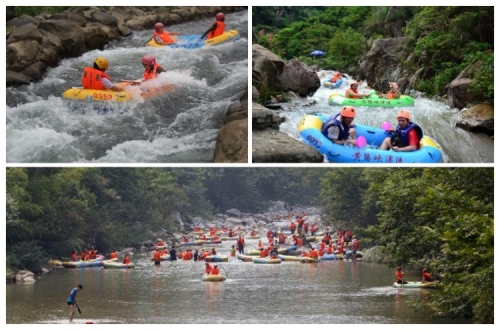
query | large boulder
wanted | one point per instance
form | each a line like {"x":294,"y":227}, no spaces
{"x":95,"y":37}
{"x":77,"y":19}
{"x":297,"y":77}
{"x":266,"y":70}
{"x":479,"y":118}
{"x":25,"y":276}
{"x":104,"y":18}
{"x":232,"y":142}
{"x":26,"y":52}
{"x":271,"y":146}
{"x":25,"y":32}
{"x":381,"y":64}
{"x":14,"y":78}
{"x":71,"y":35}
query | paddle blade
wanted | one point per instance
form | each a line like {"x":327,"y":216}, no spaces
{"x":78,"y":308}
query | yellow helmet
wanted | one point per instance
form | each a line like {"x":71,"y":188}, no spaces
{"x":101,"y":62}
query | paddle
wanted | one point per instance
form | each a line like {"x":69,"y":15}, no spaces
{"x":78,"y":308}
{"x":224,"y":270}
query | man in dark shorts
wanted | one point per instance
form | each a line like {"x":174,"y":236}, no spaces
{"x":72,"y":301}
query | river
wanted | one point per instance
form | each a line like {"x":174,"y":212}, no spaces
{"x":180,"y":126}
{"x":288,"y":293}
{"x":457,"y":145}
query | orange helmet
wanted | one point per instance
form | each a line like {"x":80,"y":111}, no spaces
{"x":403,"y":114}
{"x":348,"y":112}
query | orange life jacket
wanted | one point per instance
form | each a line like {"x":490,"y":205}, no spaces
{"x":352,"y":96}
{"x":113,"y":255}
{"x":156,"y":256}
{"x":314,"y":254}
{"x":391,"y":95}
{"x":126,"y":260}
{"x":91,"y":78}
{"x":164,"y":36}
{"x":151,"y":75}
{"x":221,"y":26}
{"x":215,"y":271}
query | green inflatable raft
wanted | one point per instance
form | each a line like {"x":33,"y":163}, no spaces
{"x":373,"y":101}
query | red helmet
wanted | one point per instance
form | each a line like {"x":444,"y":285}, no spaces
{"x":148,"y":60}
{"x":219,"y":16}
{"x":158,"y":26}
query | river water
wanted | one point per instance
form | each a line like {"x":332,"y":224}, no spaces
{"x":457,"y":145}
{"x":180,"y":126}
{"x":173,"y":293}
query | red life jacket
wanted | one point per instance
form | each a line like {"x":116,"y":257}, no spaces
{"x":91,"y":78}
{"x":164,"y":36}
{"x":152,"y":74}
{"x":221,"y":26}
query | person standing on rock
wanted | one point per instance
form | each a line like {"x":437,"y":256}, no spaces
{"x":95,"y":78}
{"x":339,"y":129}
{"x":72,"y":301}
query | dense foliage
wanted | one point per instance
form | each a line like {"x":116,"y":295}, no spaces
{"x":51,"y":211}
{"x":441,"y":41}
{"x":439,"y":218}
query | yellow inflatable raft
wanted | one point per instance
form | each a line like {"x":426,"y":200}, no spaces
{"x":193,"y":41}
{"x":81,"y":94}
{"x":213,"y":278}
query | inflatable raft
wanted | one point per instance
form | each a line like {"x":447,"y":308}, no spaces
{"x":117,"y":265}
{"x":373,"y":101}
{"x":97,"y":262}
{"x":213,"y":278}
{"x":288,"y":249}
{"x":328,"y":257}
{"x":308,"y":260}
{"x":245,"y":258}
{"x":415,"y":285}
{"x":288,"y":258}
{"x":328,"y":84}
{"x":252,"y":252}
{"x":217,"y":258}
{"x":88,"y":95}
{"x":310,"y":132}
{"x":253,"y":237}
{"x":266,"y":260}
{"x":194,"y":42}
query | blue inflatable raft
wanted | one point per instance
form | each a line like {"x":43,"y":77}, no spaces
{"x":310,"y":132}
{"x":328,"y":84}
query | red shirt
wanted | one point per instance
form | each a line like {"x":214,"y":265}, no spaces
{"x":413,"y":138}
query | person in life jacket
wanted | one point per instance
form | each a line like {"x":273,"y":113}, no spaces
{"x":151,"y":68}
{"x":162,"y":37}
{"x":407,"y":135}
{"x":338,"y":127}
{"x":208,"y":268}
{"x":426,"y":276}
{"x":95,"y":78}
{"x":113,"y":255}
{"x":217,"y":27}
{"x":399,"y":276}
{"x":393,"y":92}
{"x":353,"y":93}
{"x":336,"y":77}
{"x":157,"y":257}
{"x":126,"y":260}
{"x":215,"y":270}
